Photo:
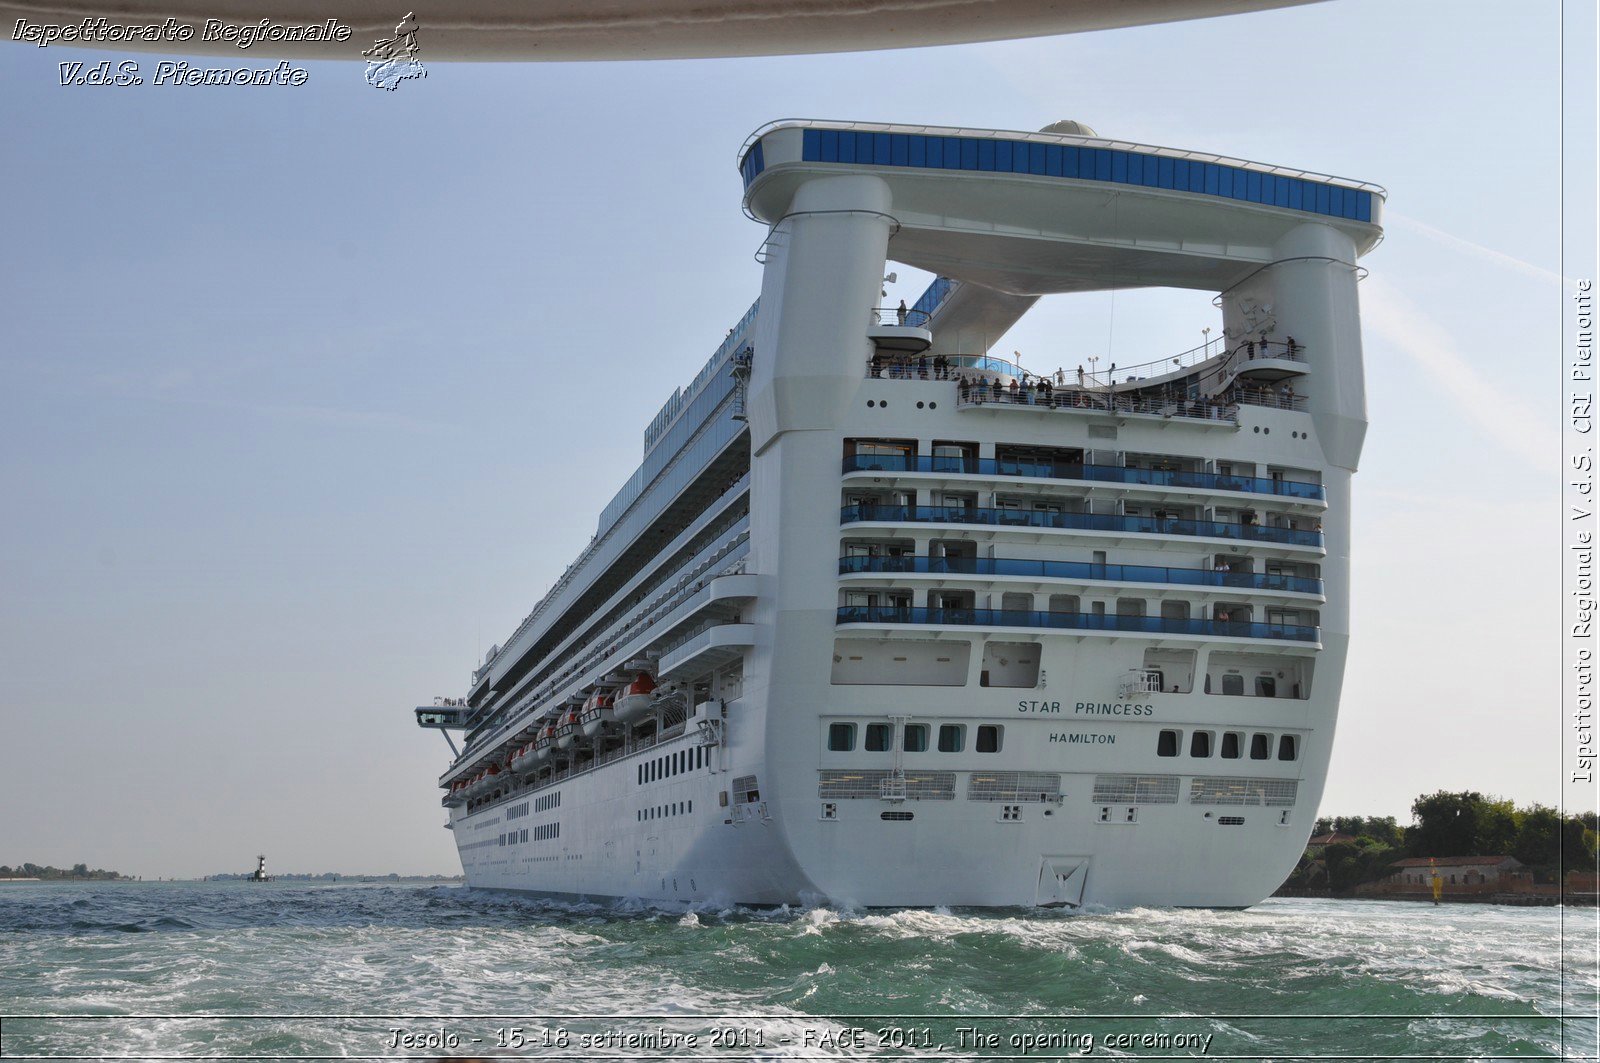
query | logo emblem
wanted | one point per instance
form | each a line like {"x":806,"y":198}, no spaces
{"x":394,"y":59}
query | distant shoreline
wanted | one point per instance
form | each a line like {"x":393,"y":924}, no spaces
{"x":1508,"y":899}
{"x":307,"y":879}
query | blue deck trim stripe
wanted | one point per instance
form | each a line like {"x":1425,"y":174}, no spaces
{"x":918,"y":151}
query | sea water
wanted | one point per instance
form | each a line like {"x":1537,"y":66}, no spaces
{"x":287,"y":970}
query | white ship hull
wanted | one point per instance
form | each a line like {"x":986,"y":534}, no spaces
{"x":1106,"y":672}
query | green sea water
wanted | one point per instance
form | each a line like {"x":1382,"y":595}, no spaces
{"x":287,"y":970}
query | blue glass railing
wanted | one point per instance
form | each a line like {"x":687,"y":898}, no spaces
{"x":1023,"y":518}
{"x":1154,"y":625}
{"x":1062,"y":470}
{"x":1080,"y":570}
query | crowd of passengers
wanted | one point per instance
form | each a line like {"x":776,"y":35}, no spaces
{"x":1052,"y":389}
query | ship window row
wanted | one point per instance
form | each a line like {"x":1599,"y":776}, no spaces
{"x":517,"y":811}
{"x":672,"y":808}
{"x":1232,"y":745}
{"x":959,"y":557}
{"x":914,"y":737}
{"x":1110,"y":165}
{"x":946,"y":608}
{"x":961,"y":457}
{"x":1077,"y":511}
{"x":665,"y":767}
{"x":913,"y":662}
{"x":547,"y":802}
{"x":544,"y":832}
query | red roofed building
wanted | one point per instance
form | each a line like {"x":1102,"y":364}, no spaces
{"x":1322,"y":841}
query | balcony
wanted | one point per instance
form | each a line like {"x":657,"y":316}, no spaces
{"x":708,"y":647}
{"x":1026,"y":618}
{"x":899,"y":333}
{"x":1101,"y":522}
{"x":1204,"y":481}
{"x":1080,"y":570}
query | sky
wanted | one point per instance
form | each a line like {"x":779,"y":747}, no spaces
{"x":308,"y":393}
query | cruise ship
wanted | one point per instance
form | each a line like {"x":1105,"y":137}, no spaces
{"x":884,"y":619}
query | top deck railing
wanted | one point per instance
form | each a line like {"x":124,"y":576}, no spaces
{"x":909,"y":317}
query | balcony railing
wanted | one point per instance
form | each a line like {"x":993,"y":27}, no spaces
{"x":1227,"y":409}
{"x":1024,"y":518}
{"x":1062,"y":470}
{"x":909,"y":317}
{"x":1149,"y":625}
{"x":1080,"y":570}
{"x":924,"y":367}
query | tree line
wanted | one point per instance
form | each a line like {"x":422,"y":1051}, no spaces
{"x":47,"y":872}
{"x":1449,"y":824}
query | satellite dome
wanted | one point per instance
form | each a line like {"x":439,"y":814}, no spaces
{"x":1068,"y":127}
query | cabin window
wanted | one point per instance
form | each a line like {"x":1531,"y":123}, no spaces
{"x":988,"y":739}
{"x":1016,"y":602}
{"x":954,"y":457}
{"x":1200,"y":744}
{"x":1230,"y":745}
{"x":1260,"y":746}
{"x":1266,"y":686}
{"x":1286,"y":747}
{"x":1010,"y":664}
{"x":915,"y":739}
{"x":952,"y":737}
{"x":841,"y":737}
{"x":1167,"y":744}
{"x":877,"y":738}
{"x":1233,"y":683}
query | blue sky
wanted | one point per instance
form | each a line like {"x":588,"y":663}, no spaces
{"x":308,"y":393}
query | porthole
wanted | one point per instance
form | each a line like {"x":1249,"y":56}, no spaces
{"x":1257,"y":428}
{"x":933,"y":405}
{"x":883,"y":404}
{"x":919,"y":404}
{"x":870,"y":404}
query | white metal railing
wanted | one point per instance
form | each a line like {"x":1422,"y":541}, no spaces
{"x":1140,"y":681}
{"x":1054,"y":138}
{"x":571,"y":571}
{"x":693,"y":633}
{"x":676,"y":593}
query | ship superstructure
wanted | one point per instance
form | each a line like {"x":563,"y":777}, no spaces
{"x":883,"y":619}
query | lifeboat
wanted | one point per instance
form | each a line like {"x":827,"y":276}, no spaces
{"x":477,"y":784}
{"x":544,"y":745}
{"x":567,"y":731}
{"x":596,"y":713}
{"x":522,"y":759}
{"x":635,"y":702}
